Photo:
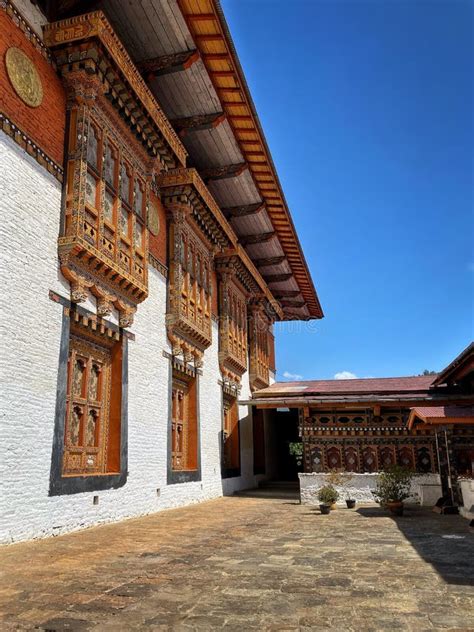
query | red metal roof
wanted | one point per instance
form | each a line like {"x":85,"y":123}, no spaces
{"x":342,"y":387}
{"x":444,"y":412}
{"x":443,"y":415}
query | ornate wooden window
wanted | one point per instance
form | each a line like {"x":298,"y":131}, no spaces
{"x":233,"y":332}
{"x":258,"y":342}
{"x":230,"y":436}
{"x":424,"y":459}
{"x":190,"y":288}
{"x":386,"y":457}
{"x":316,"y":456}
{"x":115,"y":196}
{"x":93,"y":406}
{"x":351,"y":459}
{"x":406,"y":458}
{"x":333,"y":458}
{"x":369,"y":460}
{"x":184,"y":443}
{"x":118,"y":140}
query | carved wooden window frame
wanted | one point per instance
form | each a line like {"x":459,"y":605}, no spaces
{"x":230,"y":436}
{"x":82,"y":331}
{"x":103,"y":457}
{"x":184,"y":422}
{"x":258,"y":346}
{"x":90,"y":220}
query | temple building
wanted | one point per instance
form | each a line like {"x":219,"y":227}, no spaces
{"x":425,"y":423}
{"x":147,"y":252}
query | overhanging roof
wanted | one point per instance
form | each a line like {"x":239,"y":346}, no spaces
{"x":366,"y":386}
{"x":441,"y":415}
{"x":406,"y":391}
{"x":458,"y":369}
{"x":186,"y":55}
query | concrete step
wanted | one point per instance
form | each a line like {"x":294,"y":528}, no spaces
{"x":290,"y":485}
{"x":269,"y":492}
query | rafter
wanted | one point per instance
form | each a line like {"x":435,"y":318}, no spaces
{"x":286,"y":293}
{"x":247,"y":240}
{"x":167,"y":64}
{"x":220,"y":173}
{"x":277,"y":278}
{"x":201,"y":17}
{"x":268,"y":261}
{"x":295,"y":304}
{"x":242,"y":211}
{"x":198,"y":122}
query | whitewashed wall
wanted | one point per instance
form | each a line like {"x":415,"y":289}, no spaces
{"x":360,"y":487}
{"x":467,"y":491}
{"x":30,"y":333}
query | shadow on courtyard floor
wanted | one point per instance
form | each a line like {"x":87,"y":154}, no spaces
{"x":270,"y":493}
{"x":445,"y":542}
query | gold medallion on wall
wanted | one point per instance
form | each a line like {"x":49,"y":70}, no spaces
{"x":24,"y":77}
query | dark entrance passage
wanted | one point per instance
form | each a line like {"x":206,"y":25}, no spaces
{"x":288,"y":446}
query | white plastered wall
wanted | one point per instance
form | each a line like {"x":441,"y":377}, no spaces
{"x":30,"y":332}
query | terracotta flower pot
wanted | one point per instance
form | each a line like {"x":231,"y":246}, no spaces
{"x":395,"y":507}
{"x":333,"y":506}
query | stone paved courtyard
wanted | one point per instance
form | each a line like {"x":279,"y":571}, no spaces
{"x":247,"y":563}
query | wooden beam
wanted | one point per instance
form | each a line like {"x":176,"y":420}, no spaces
{"x":167,"y":64}
{"x":222,"y":73}
{"x":247,"y":240}
{"x":277,"y":278}
{"x":201,"y":17}
{"x":268,"y":261}
{"x":215,"y":56}
{"x":295,"y":304}
{"x":242,"y":211}
{"x":220,"y":173}
{"x":231,"y":90}
{"x":286,"y":293}
{"x":198,"y":122}
{"x":60,"y":9}
{"x":215,"y":37}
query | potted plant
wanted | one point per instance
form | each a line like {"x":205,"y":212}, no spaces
{"x":340,"y":478}
{"x":327,"y":496}
{"x":393,"y":487}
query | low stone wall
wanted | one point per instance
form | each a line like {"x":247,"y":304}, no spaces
{"x":362,"y":485}
{"x":467,"y":491}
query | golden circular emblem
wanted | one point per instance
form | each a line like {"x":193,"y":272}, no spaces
{"x":153,"y":220}
{"x":24,"y":77}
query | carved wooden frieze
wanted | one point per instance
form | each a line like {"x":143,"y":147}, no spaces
{"x":118,"y":140}
{"x":88,"y":41}
{"x":103,"y":247}
{"x":259,"y":324}
{"x":188,"y":317}
{"x":233,"y":299}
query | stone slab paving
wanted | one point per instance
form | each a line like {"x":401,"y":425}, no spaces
{"x":246,"y":564}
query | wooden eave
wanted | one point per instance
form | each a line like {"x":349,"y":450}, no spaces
{"x":337,"y":401}
{"x":458,"y":369}
{"x":95,"y":25}
{"x":206,"y":23}
{"x":163,"y":37}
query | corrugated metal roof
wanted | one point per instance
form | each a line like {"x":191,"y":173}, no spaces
{"x":366,"y":386}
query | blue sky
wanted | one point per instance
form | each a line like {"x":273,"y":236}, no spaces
{"x":367,"y":107}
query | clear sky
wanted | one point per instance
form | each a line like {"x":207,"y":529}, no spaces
{"x":367,"y":107}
